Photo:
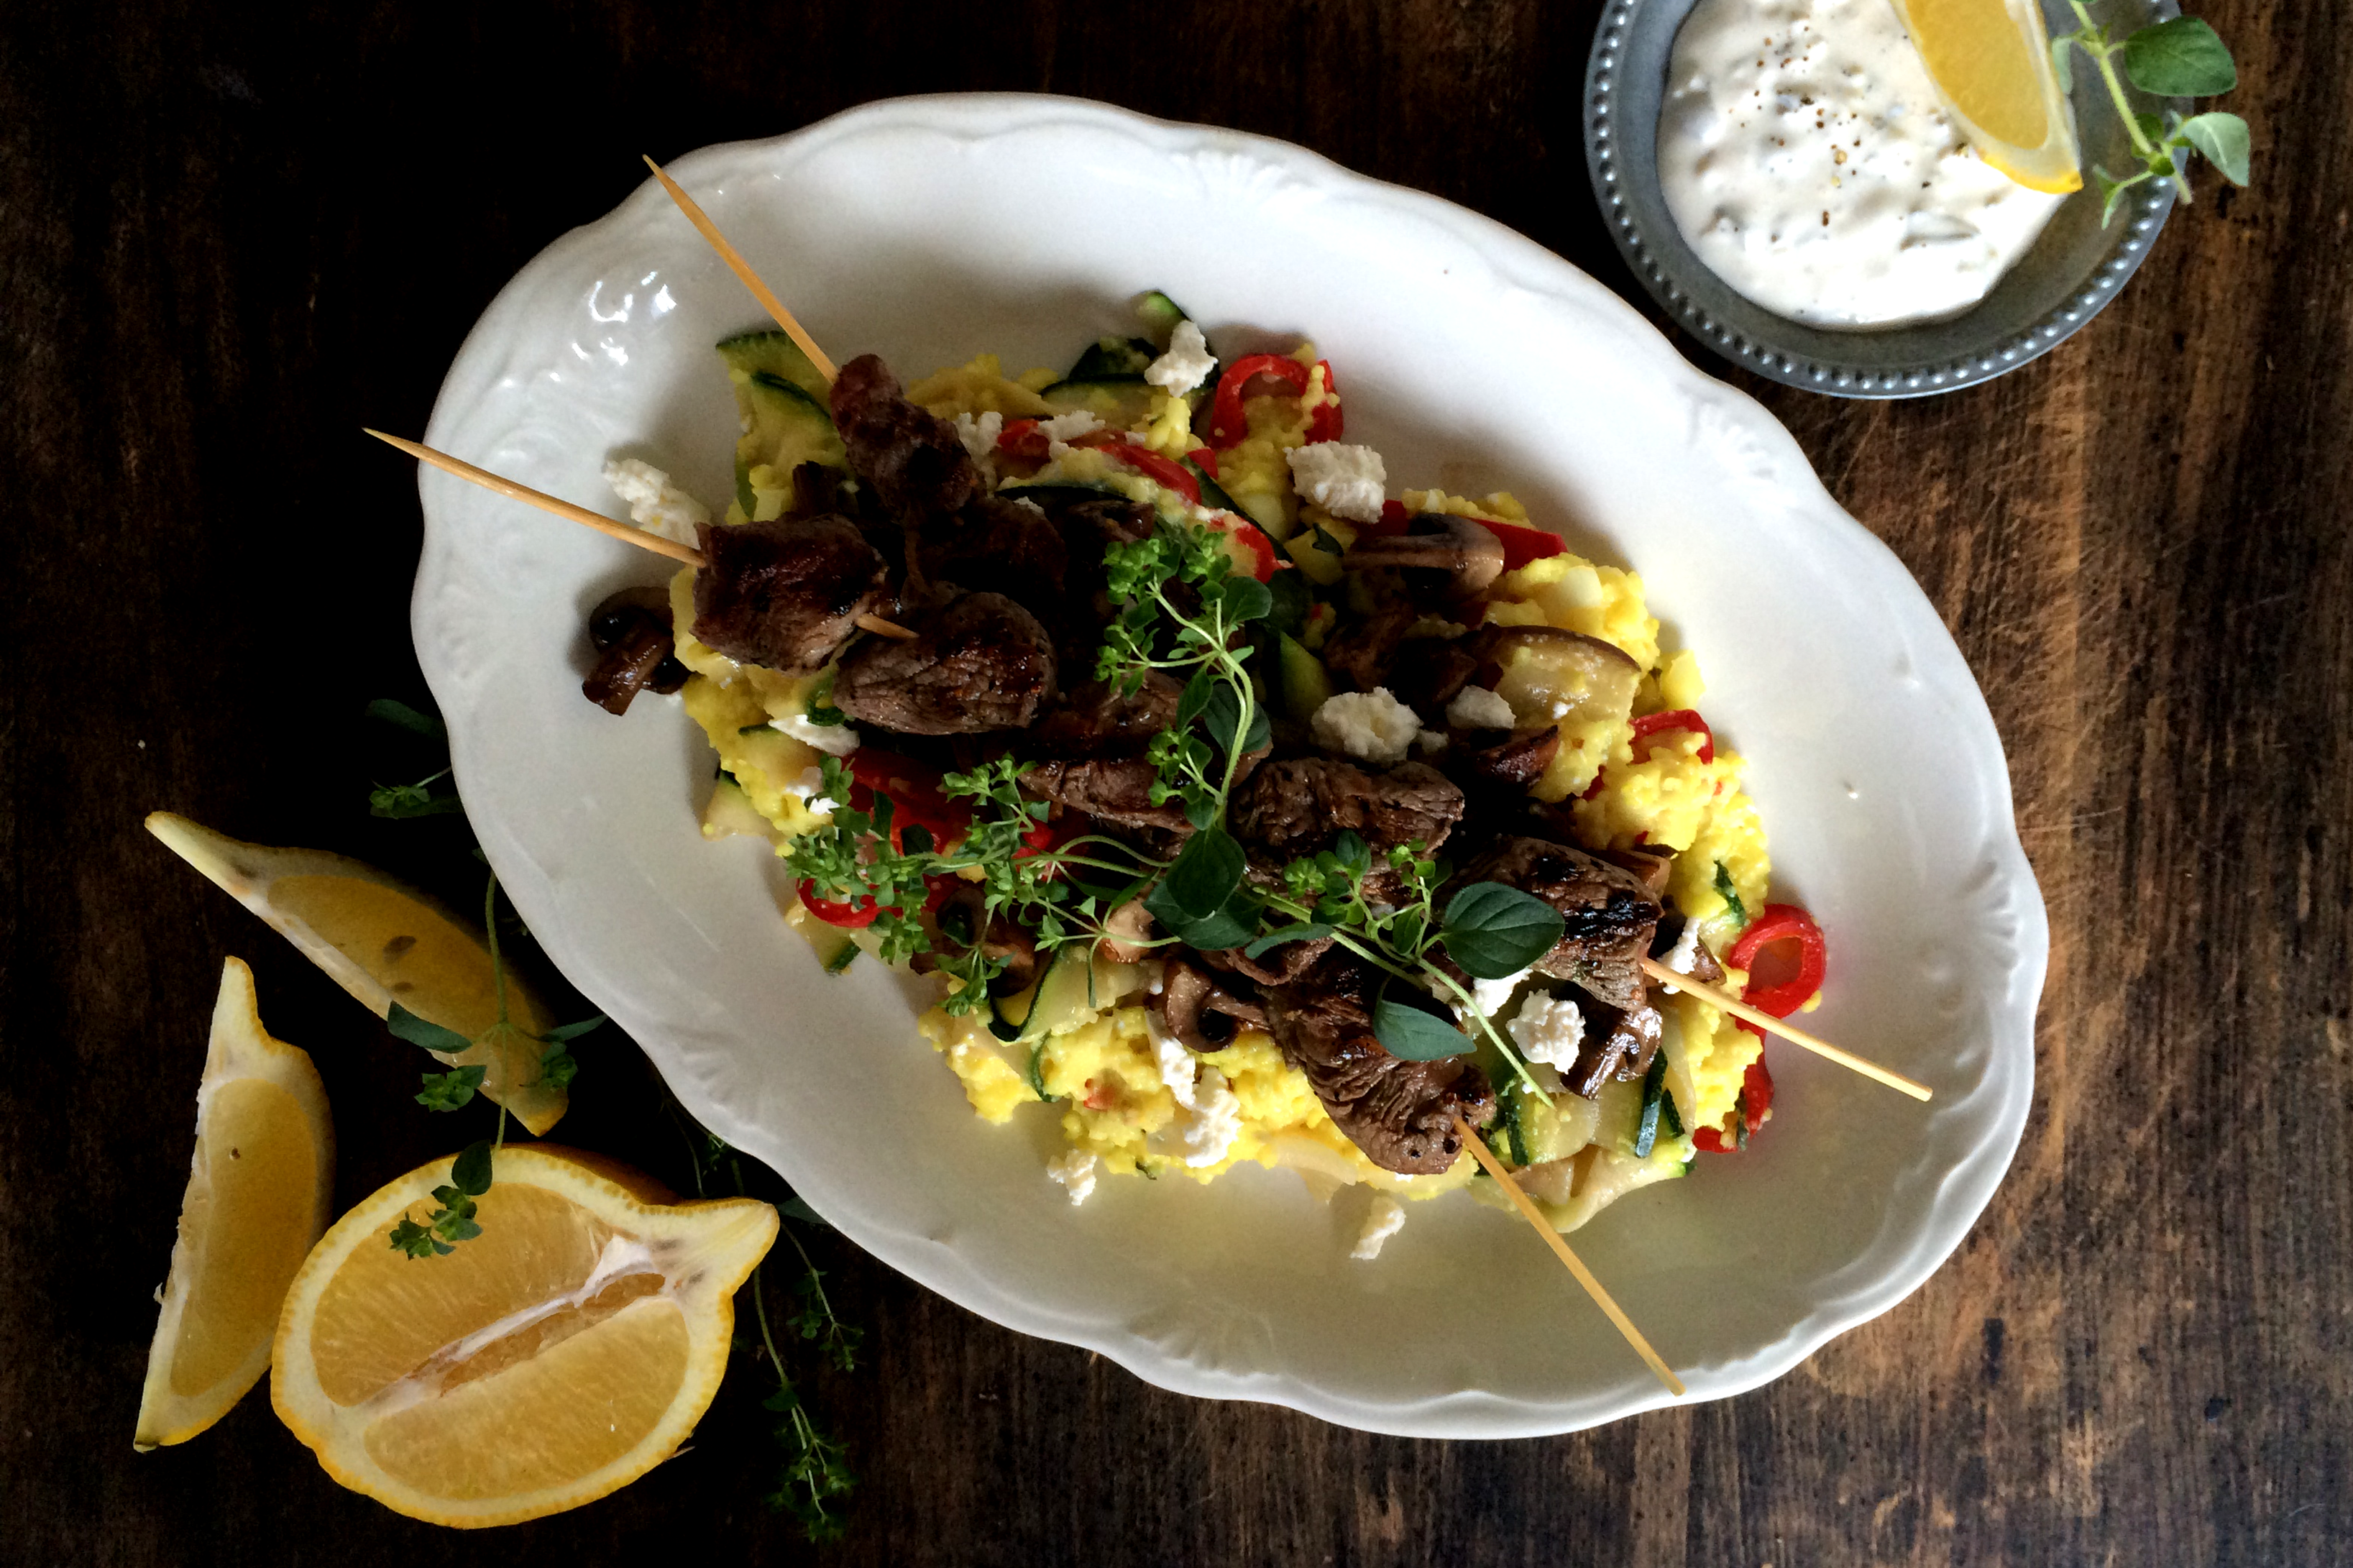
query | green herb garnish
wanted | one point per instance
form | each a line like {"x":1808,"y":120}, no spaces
{"x":2180,"y":58}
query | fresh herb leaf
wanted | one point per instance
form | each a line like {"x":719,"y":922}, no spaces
{"x":2112,"y":190}
{"x":2063,"y":64}
{"x":1415,"y":1036}
{"x":1196,"y":694}
{"x":402,"y":716}
{"x":1246,"y":599}
{"x":416,"y":1031}
{"x":797,"y":1208}
{"x":2179,"y":57}
{"x":401,"y":802}
{"x":2224,"y":138}
{"x":471,"y":1172}
{"x":1730,"y":895}
{"x":574,"y":1031}
{"x":1494,"y":931}
{"x":1205,"y":875}
{"x":451,"y":1090}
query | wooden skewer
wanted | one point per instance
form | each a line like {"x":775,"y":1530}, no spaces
{"x":1553,"y":1238}
{"x":1820,"y":1047}
{"x":545,"y":502}
{"x":743,"y":269}
{"x":581,"y":514}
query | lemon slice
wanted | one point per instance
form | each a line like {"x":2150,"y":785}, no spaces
{"x":562,"y":1353}
{"x":383,"y":941}
{"x":258,"y":1194}
{"x":1990,"y":60}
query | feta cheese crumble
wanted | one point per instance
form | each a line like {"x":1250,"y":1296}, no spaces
{"x":1371,"y":725}
{"x":1384,"y":1220}
{"x":1075,"y":1169}
{"x":1186,"y":363}
{"x":655,"y":504}
{"x":978,"y":432}
{"x":1346,"y":481}
{"x":807,"y":788}
{"x":833,"y":740}
{"x":1208,"y":1113}
{"x":1550,"y":1030}
{"x":1064,"y":428}
{"x":1682,"y":955}
{"x":1476,"y":707}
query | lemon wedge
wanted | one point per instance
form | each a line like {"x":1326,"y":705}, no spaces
{"x":560,"y":1354}
{"x":1990,"y":60}
{"x":257,"y":1197}
{"x":383,"y":941}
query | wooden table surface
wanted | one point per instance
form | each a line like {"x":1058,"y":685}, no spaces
{"x":227,"y":241}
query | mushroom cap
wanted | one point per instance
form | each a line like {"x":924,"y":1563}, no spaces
{"x":1435,"y":541}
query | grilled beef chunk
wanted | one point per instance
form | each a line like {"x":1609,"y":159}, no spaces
{"x":1116,"y":789}
{"x":1096,"y":720}
{"x":911,"y":456}
{"x":784,"y":593}
{"x":1608,"y":917}
{"x":1293,"y":808}
{"x":1362,"y":650}
{"x":1401,"y":1113}
{"x":1650,"y":870}
{"x":1198,"y":1010}
{"x":1618,"y":1043}
{"x":980,"y":662}
{"x":999,"y":547}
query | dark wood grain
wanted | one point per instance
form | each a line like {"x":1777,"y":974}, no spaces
{"x":224,"y":238}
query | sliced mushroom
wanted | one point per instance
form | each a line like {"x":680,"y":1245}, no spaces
{"x":631,"y":632}
{"x":1552,"y":677}
{"x":1433,"y":541}
{"x":1516,"y":760}
{"x":1198,"y":1011}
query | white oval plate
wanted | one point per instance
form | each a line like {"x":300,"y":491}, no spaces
{"x":932,"y":229}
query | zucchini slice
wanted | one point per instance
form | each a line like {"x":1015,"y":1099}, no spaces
{"x":1114,"y":358}
{"x":1121,"y":402}
{"x":1306,"y":684}
{"x":786,"y":416}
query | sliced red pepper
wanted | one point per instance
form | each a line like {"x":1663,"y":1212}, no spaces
{"x":1521,"y":543}
{"x":1679,"y":719}
{"x":1024,"y":438}
{"x":1208,"y":459}
{"x":1394,"y":518}
{"x":1778,"y":923}
{"x":1755,"y":1100}
{"x":1263,"y":564}
{"x":1161,"y":471}
{"x":849,"y":916}
{"x":913,"y":789}
{"x":858,"y":913}
{"x":1228,"y":425}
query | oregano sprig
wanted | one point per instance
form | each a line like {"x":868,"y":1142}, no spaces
{"x":2179,"y":57}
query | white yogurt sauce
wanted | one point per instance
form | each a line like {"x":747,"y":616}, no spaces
{"x":1807,"y":159}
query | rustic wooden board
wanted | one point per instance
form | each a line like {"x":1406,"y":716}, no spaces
{"x":226,"y":240}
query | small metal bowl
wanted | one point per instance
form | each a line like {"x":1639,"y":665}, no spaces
{"x":2074,"y":268}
